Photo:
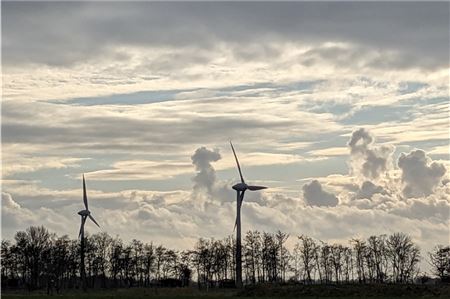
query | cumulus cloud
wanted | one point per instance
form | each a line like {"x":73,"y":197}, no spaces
{"x":314,"y":195}
{"x":155,"y":200}
{"x":206,"y":182}
{"x":420,"y":176}
{"x":416,"y":189}
{"x":171,"y":225}
{"x":366,"y":159}
{"x":368,"y":189}
{"x":206,"y":174}
{"x":433,"y":209}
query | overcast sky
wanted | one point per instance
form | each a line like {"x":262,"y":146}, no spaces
{"x":340,"y":108}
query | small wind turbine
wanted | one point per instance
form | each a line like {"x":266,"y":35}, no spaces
{"x":84,"y":215}
{"x":240,"y":190}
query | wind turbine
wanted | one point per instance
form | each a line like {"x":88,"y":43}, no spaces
{"x":240,"y":191}
{"x":84,"y":215}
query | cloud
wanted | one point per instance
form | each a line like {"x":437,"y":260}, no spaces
{"x":13,"y":164}
{"x":314,"y":195}
{"x":368,"y":189}
{"x":13,"y":214}
{"x":426,"y":220}
{"x":124,"y":101}
{"x":141,"y":170}
{"x":172,"y":126}
{"x":432,"y":208}
{"x":206,"y":175}
{"x":8,"y":202}
{"x":262,"y":159}
{"x":206,"y":182}
{"x":366,"y":159}
{"x":419,"y":175}
{"x":99,"y":28}
{"x":332,"y":151}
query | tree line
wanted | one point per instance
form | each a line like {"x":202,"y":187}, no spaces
{"x":39,"y":259}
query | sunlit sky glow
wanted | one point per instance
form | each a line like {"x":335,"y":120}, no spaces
{"x":342,"y":109}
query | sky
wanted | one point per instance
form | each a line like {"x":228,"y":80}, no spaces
{"x":341,"y":109}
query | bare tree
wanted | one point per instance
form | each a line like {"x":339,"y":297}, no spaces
{"x":359,"y":248}
{"x":440,"y":261}
{"x":308,"y":250}
{"x":148,"y":262}
{"x":138,"y":261}
{"x":325,"y":262}
{"x":336,"y":259}
{"x":377,"y":252}
{"x":404,"y":257}
{"x":6,"y":261}
{"x":347,"y":264}
{"x":38,"y":259}
{"x":283,"y":254}
{"x":269,"y":257}
{"x":33,"y":246}
{"x":252,"y":247}
{"x":115,"y":254}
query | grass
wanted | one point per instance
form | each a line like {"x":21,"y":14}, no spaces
{"x":132,"y":293}
{"x":266,"y":291}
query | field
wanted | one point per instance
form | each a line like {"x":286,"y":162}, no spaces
{"x":309,"y":292}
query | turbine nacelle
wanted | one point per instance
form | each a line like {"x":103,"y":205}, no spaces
{"x":84,"y":213}
{"x":243,"y":187}
{"x":240,"y":187}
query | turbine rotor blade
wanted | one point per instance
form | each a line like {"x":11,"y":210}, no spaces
{"x":242,"y":198}
{"x":83,"y":221}
{"x":237,"y":162}
{"x":85,"y":194}
{"x":238,"y":198}
{"x":254,"y":188}
{"x":92,"y":218}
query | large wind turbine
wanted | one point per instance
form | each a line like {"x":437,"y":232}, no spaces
{"x":84,"y":215}
{"x":240,"y":190}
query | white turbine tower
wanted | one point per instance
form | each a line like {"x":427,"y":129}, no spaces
{"x":84,"y":215}
{"x":240,"y":190}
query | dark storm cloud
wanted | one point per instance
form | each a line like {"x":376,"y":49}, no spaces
{"x":64,"y":33}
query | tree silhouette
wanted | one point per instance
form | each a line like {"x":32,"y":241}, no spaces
{"x":440,"y":261}
{"x":37,"y":259}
